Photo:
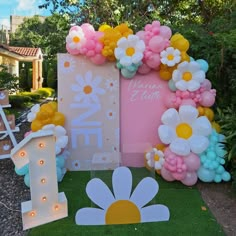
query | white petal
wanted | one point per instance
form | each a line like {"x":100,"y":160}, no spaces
{"x":126,"y":61}
{"x":198,"y":144}
{"x":99,"y":193}
{"x":122,"y":42}
{"x":188,"y":114}
{"x":166,"y":134}
{"x":122,"y":183}
{"x":176,"y":76}
{"x":194,"y":66}
{"x":97,"y":81}
{"x":170,"y":117}
{"x":49,"y":127}
{"x":35,"y":108}
{"x":57,"y":149}
{"x":140,"y":46}
{"x":62,"y":141}
{"x":155,"y":213}
{"x":145,"y":191}
{"x":60,"y":130}
{"x":137,"y":57}
{"x":199,"y":76}
{"x":100,"y":91}
{"x":75,"y":87}
{"x":90,"y":216}
{"x":202,"y":126}
{"x":119,"y":53}
{"x":31,"y":116}
{"x":180,"y":146}
{"x":181,"y":85}
{"x":193,"y":85}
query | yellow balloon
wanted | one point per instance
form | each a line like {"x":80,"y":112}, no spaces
{"x":216,"y":126}
{"x":104,"y":27}
{"x":58,"y":119}
{"x":36,"y":125}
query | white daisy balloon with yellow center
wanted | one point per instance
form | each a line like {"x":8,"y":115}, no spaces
{"x":130,"y":50}
{"x":87,"y":88}
{"x":184,"y":131}
{"x":122,"y":207}
{"x":188,"y":76}
{"x":155,"y":159}
{"x":75,"y":39}
{"x":170,"y":56}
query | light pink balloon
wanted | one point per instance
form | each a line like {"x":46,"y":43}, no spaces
{"x":144,"y":69}
{"x":141,"y":34}
{"x":154,"y":61}
{"x":157,"y":44}
{"x":190,"y":179}
{"x":72,"y":51}
{"x":192,"y":162}
{"x":169,"y":101}
{"x":98,"y":59}
{"x":206,"y":84}
{"x":165,"y":32}
{"x":179,"y":176}
{"x":166,"y":174}
{"x":207,"y":99}
{"x":188,"y":102}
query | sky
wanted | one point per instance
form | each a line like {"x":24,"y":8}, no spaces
{"x":20,"y":8}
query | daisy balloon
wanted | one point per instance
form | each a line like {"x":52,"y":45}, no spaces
{"x":122,"y":207}
{"x":155,"y":158}
{"x":184,"y":131}
{"x":188,"y":76}
{"x":170,"y":56}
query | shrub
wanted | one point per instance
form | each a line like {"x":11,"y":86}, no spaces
{"x":35,"y":97}
{"x":19,"y":101}
{"x":45,"y":92}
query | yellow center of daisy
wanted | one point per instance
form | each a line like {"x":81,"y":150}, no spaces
{"x":76,"y":39}
{"x":123,"y":212}
{"x":187,"y":76}
{"x":88,"y":89}
{"x":170,"y":57}
{"x":156,"y":157}
{"x":184,"y":131}
{"x":66,"y":64}
{"x":130,"y":51}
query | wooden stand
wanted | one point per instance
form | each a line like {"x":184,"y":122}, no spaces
{"x":8,"y":131}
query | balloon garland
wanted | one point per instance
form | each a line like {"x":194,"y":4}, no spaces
{"x":192,"y":146}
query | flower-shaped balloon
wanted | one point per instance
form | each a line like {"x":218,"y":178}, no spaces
{"x":122,"y":207}
{"x":188,"y":76}
{"x":155,"y":158}
{"x":74,"y":40}
{"x":61,"y":138}
{"x":170,"y":56}
{"x":129,"y":50}
{"x":184,"y":130}
{"x":33,"y":111}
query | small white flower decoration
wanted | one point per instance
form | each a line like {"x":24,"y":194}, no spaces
{"x":67,"y":64}
{"x":188,"y":76}
{"x":184,"y":130}
{"x":87,"y":88}
{"x":6,"y":147}
{"x":155,"y":158}
{"x":33,"y":111}
{"x":130,"y":50}
{"x":75,"y":165}
{"x":75,"y":39}
{"x":170,"y":56}
{"x":110,"y":114}
{"x":111,"y":85}
{"x":61,"y":138}
{"x":2,"y":96}
{"x":122,"y":207}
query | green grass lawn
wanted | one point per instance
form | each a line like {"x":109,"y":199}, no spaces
{"x":189,"y":215}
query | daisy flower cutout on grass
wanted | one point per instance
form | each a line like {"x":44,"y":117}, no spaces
{"x":122,"y":207}
{"x":61,"y":138}
{"x":170,"y":56}
{"x":188,"y":76}
{"x":184,"y":131}
{"x":130,"y":50}
{"x":33,"y":111}
{"x":75,"y":165}
{"x":67,"y":64}
{"x":75,"y":39}
{"x":111,"y":85}
{"x":155,"y":159}
{"x":87,"y":88}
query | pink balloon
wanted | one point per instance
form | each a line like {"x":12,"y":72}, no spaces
{"x":206,"y":84}
{"x":72,"y":51}
{"x":179,"y":176}
{"x":188,"y":102}
{"x":98,"y":59}
{"x":190,"y":179}
{"x":192,"y":162}
{"x":207,"y":99}
{"x":144,"y":69}
{"x":170,"y":101}
{"x":154,"y":61}
{"x":165,"y":32}
{"x":157,"y":44}
{"x":166,"y":174}
{"x":141,"y":34}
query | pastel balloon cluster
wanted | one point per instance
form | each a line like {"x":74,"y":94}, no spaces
{"x":156,"y":38}
{"x":60,"y":169}
{"x":181,"y":44}
{"x":181,"y":168}
{"x":85,"y":40}
{"x":212,"y":161}
{"x":46,"y":114}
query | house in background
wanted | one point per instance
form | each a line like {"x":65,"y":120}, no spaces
{"x":11,"y":56}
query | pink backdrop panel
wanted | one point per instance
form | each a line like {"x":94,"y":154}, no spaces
{"x":142,"y":103}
